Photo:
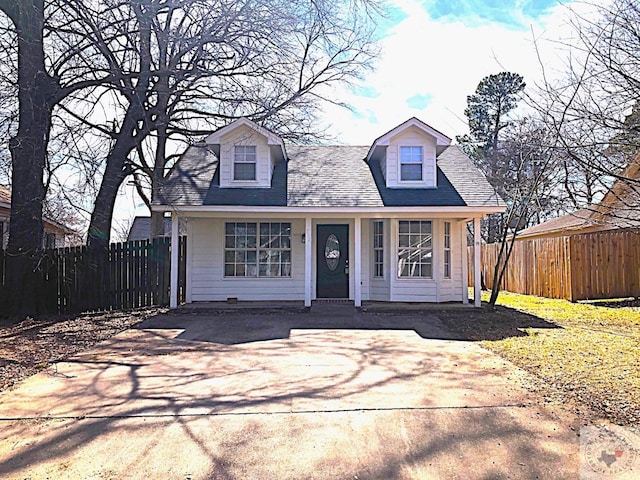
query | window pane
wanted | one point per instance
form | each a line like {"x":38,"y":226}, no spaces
{"x":275,"y":250}
{"x":229,"y":270}
{"x":251,"y":269}
{"x":411,"y":172}
{"x":250,"y":153}
{"x":415,"y":250}
{"x":244,"y":171}
{"x":403,"y":226}
{"x":411,"y":154}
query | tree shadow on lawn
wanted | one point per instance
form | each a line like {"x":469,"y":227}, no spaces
{"x":614,"y":303}
{"x":480,"y":324}
{"x":237,"y":327}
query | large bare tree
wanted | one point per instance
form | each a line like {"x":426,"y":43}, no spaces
{"x":39,"y":88}
{"x":189,"y":67}
{"x":593,"y":109}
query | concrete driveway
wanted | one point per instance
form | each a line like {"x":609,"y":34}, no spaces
{"x":282,"y":397}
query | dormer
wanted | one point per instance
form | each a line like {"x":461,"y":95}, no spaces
{"x":248,"y":154}
{"x":407,"y":154}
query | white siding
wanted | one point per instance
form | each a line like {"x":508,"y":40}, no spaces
{"x":411,"y":137}
{"x":207,"y":267}
{"x":243,"y":135}
{"x":379,"y":289}
{"x":206,"y":281}
{"x":365,"y":255}
{"x":451,"y":289}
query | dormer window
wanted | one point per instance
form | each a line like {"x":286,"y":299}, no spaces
{"x":411,"y":164}
{"x":244,"y":162}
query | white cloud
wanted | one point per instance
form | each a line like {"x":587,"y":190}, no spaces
{"x":444,"y":61}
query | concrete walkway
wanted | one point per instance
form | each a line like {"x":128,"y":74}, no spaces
{"x":282,"y":397}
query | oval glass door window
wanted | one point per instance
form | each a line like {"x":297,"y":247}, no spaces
{"x":332,"y":252}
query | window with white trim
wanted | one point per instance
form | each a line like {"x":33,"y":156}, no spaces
{"x":378,"y":249}
{"x":50,"y":240}
{"x":254,"y":249}
{"x":244,"y":162}
{"x":411,"y":163}
{"x":447,"y":249}
{"x":415,"y":249}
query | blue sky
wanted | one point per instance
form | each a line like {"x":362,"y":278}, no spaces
{"x":506,"y":13}
{"x":434,"y":53}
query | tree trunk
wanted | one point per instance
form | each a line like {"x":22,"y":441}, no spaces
{"x":28,"y":152}
{"x":157,"y":218}
{"x":115,"y":172}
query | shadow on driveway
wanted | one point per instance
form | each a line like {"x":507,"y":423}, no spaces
{"x":237,"y":327}
{"x":282,"y":397}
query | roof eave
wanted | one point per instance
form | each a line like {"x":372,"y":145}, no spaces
{"x":301,"y":211}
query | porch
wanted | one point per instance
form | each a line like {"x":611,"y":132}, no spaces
{"x":331,"y":255}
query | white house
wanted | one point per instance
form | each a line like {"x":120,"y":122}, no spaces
{"x":385,"y":222}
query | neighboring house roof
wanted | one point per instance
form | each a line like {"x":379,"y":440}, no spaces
{"x":327,"y":176}
{"x":141,"y":229}
{"x":619,"y":208}
{"x":5,"y":202}
{"x":565,"y":224}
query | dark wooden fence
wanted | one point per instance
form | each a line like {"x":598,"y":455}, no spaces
{"x":127,"y":275}
{"x":595,"y":265}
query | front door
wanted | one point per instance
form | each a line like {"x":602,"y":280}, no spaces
{"x":333,"y":261}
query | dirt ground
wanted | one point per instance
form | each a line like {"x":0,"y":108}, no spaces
{"x":32,"y":345}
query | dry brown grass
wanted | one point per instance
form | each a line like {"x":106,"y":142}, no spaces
{"x":594,"y":357}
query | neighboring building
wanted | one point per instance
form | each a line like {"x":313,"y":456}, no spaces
{"x":141,"y":229}
{"x":54,"y":233}
{"x":385,"y":222}
{"x":619,"y":209}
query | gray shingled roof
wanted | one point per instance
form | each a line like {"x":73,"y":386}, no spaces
{"x":327,"y":176}
{"x":334,"y":176}
{"x":141,"y":229}
{"x":466,"y":179}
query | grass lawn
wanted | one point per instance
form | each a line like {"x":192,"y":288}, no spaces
{"x":594,"y":356}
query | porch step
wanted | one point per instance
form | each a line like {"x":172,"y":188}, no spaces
{"x":333,"y":307}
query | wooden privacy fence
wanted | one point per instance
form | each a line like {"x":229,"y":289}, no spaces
{"x":574,"y":267}
{"x":126,"y":275}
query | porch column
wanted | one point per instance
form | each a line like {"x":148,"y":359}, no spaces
{"x":308,"y":238}
{"x":476,"y":262}
{"x":175,"y":249}
{"x":357,"y":262}
{"x":465,"y":262}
